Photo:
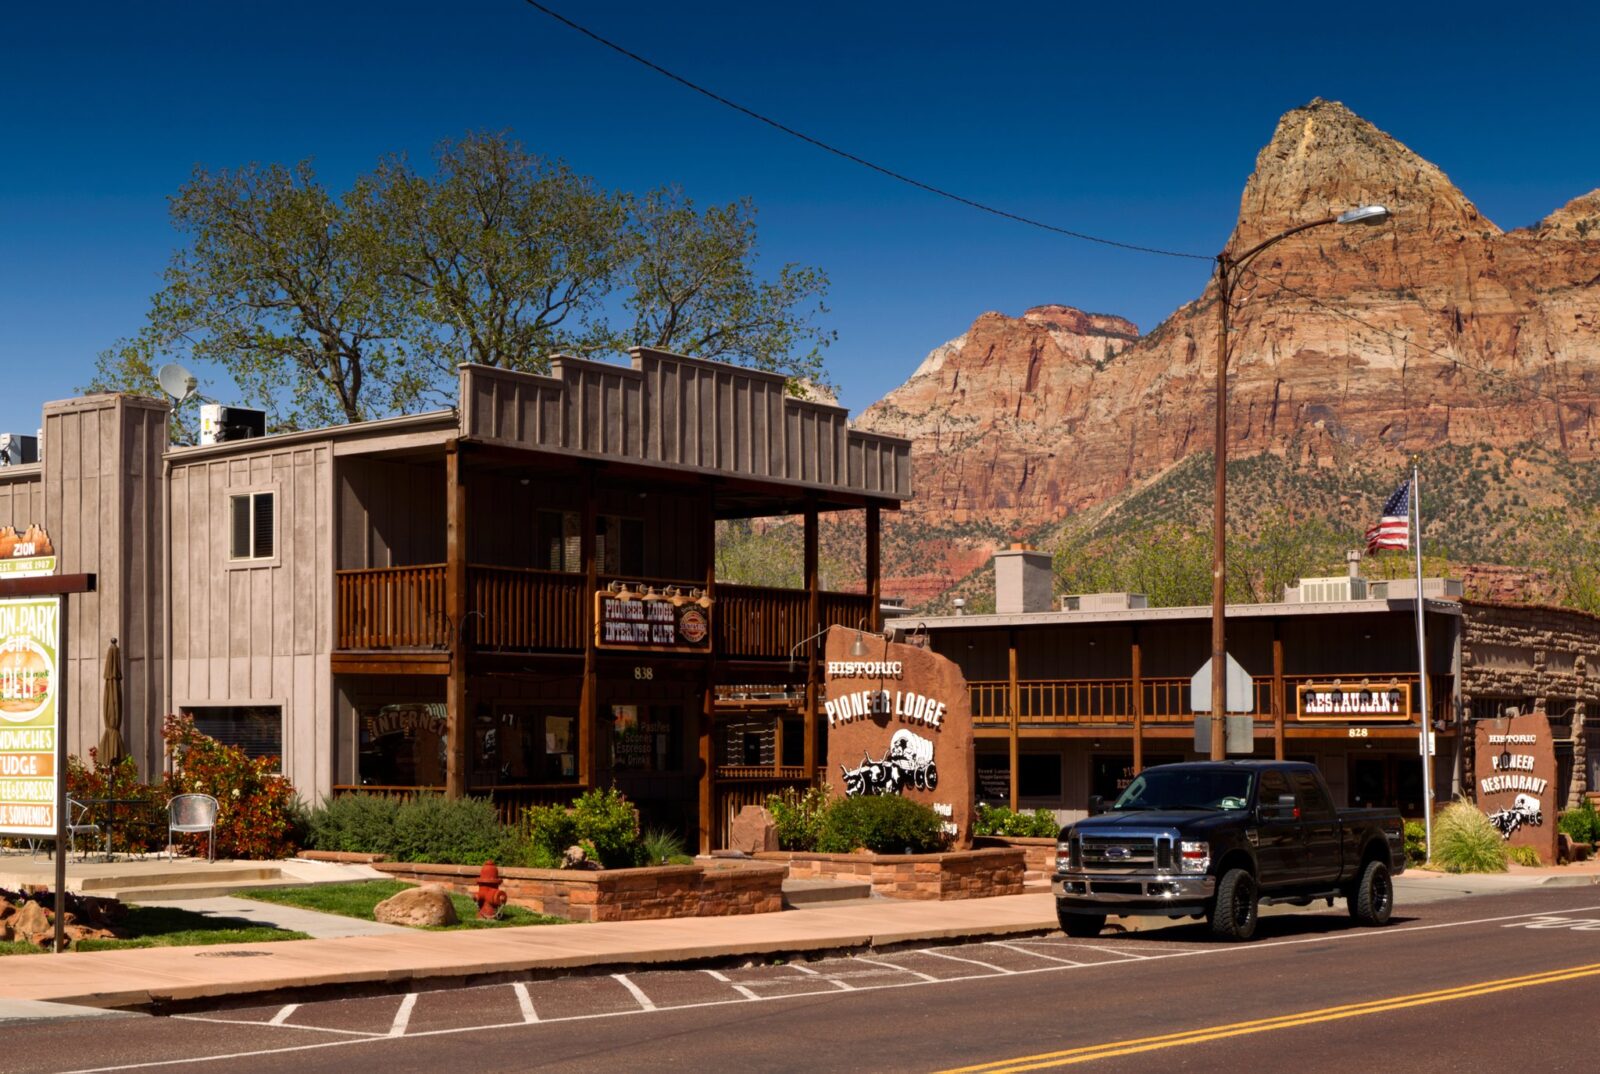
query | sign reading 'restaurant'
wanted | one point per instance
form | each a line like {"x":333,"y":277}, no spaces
{"x":899,"y":722}
{"x":1360,"y":702}
{"x":634,"y":623}
{"x":30,"y":639}
{"x":1515,"y":762}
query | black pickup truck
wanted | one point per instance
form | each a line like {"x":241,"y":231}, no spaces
{"x":1216,"y":839}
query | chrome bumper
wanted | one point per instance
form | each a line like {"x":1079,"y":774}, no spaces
{"x":1139,"y":889}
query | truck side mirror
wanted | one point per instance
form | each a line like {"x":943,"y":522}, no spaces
{"x":1097,"y":805}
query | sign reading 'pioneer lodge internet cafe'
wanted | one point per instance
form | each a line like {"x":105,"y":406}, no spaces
{"x":628,"y":621}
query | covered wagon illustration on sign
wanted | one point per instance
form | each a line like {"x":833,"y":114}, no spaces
{"x":1524,"y":809}
{"x":908,"y":763}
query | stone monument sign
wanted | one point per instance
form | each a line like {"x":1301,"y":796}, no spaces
{"x":1516,"y":780}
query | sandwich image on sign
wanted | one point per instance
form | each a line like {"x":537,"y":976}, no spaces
{"x":25,"y":679}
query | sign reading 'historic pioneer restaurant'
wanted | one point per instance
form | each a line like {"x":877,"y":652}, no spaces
{"x":1515,"y":760}
{"x":899,"y":722}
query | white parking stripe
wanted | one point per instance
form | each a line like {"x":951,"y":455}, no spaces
{"x":524,"y":1001}
{"x":645,"y":1003}
{"x":1035,"y":954}
{"x":739,"y":988}
{"x":902,"y":969}
{"x":283,"y":1015}
{"x":288,"y":1025}
{"x":958,"y":958}
{"x":1088,"y":947}
{"x":402,"y":1017}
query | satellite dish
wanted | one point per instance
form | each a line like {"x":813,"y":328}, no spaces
{"x":176,"y":381}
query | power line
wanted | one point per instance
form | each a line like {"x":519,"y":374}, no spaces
{"x":853,"y":158}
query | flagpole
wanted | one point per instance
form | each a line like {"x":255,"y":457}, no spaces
{"x":1425,"y":722}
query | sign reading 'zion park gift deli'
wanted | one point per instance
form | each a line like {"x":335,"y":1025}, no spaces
{"x":899,"y":722}
{"x":30,"y":638}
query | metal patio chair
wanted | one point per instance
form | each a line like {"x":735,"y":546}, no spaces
{"x":193,"y":813}
{"x":78,"y":821}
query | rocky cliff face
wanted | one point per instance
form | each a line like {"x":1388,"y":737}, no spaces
{"x":1350,"y":344}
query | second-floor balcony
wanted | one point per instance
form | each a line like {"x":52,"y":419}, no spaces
{"x":517,"y":609}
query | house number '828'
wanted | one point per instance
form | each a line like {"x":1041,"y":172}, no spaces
{"x":644,"y":673}
{"x":1358,"y":732}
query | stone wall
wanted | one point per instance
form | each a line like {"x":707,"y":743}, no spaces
{"x":712,"y":890}
{"x":957,"y":874}
{"x":1039,"y":854}
{"x":1535,"y":657}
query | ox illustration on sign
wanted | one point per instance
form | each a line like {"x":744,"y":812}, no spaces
{"x":899,"y":722}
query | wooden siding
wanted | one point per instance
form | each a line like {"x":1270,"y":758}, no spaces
{"x":100,"y":499}
{"x":259,"y":632}
{"x":668,"y":410}
{"x":21,"y":496}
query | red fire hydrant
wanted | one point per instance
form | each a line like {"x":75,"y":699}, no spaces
{"x":488,"y":896}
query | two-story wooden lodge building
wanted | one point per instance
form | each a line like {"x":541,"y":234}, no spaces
{"x":515,"y":597}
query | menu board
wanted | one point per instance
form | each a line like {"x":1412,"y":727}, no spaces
{"x":30,"y":719}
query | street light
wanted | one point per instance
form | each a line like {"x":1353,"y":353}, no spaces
{"x":1228,"y":268}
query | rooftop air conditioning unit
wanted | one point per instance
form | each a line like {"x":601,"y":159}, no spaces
{"x":18,"y":450}
{"x":1103,"y":602}
{"x":1326,"y":590}
{"x":222,"y":424}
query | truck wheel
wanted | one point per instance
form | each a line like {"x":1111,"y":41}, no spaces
{"x":1080,"y":926}
{"x":1373,"y":899}
{"x":1233,"y":914}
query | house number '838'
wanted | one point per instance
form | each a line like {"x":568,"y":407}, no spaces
{"x":644,"y":673}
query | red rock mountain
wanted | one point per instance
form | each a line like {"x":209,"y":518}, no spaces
{"x":1349,"y":343}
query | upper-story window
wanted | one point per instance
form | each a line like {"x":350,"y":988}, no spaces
{"x":252,"y":526}
{"x":618,"y":543}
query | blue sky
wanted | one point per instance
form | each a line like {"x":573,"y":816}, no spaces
{"x":1135,"y":121}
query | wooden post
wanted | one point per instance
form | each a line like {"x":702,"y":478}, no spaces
{"x":708,"y":710}
{"x":588,"y":715}
{"x":874,"y":567}
{"x":455,"y":610}
{"x":1136,"y":654}
{"x":813,"y":614}
{"x":1014,"y":703}
{"x":1278,"y":700}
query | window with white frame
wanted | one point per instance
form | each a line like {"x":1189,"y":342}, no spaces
{"x":255,"y":729}
{"x":252,"y":526}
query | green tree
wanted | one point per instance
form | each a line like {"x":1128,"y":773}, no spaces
{"x":324,"y":309}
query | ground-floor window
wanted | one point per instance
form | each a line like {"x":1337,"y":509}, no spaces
{"x":519,"y":743}
{"x":1110,"y":773}
{"x":401,"y":744}
{"x":648,"y":738}
{"x":255,"y":729}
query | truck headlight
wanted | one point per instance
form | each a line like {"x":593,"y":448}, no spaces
{"x":1195,"y":857}
{"x":1063,"y":856}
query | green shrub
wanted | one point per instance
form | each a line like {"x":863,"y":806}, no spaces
{"x":799,"y":816}
{"x":454,"y":831}
{"x":1416,"y":842}
{"x":255,"y":805}
{"x":884,"y":824}
{"x":354,"y":824}
{"x":661,"y":847}
{"x":1525,"y":856}
{"x":602,"y":822}
{"x":1582,"y":825}
{"x":999,"y":820}
{"x":1465,"y":842}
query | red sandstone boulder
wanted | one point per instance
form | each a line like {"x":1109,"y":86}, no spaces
{"x":426,"y":907}
{"x":754,"y":830}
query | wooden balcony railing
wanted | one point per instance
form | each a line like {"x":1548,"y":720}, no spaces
{"x":1053,"y":702}
{"x":518,"y":609}
{"x":392,"y":608}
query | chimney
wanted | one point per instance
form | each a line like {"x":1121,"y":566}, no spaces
{"x":1023,"y":580}
{"x":1352,"y":560}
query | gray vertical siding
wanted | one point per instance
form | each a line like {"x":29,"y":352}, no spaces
{"x":100,"y":500}
{"x":259,"y":633}
{"x":668,"y":410}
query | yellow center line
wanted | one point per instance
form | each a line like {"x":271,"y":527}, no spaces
{"x":1112,"y":1049}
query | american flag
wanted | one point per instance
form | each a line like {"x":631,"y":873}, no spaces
{"x":1394,"y":528}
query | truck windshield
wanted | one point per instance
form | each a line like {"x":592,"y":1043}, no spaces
{"x":1188,"y":788}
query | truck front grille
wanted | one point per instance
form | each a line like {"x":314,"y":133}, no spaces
{"x":1126,"y":853}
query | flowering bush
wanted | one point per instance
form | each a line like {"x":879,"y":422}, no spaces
{"x":257,"y":811}
{"x":138,"y":828}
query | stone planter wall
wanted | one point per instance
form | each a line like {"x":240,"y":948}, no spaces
{"x":711,"y":890}
{"x":1040,"y":854}
{"x":957,"y":874}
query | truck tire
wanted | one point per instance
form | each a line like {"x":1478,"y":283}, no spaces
{"x":1372,"y":901}
{"x":1234,"y":912}
{"x":1080,"y":926}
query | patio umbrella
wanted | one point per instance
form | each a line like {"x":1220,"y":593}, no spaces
{"x":111,"y":747}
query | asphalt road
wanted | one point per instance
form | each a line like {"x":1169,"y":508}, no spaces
{"x":1487,"y":983}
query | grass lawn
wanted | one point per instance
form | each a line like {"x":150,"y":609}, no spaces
{"x":358,"y":899}
{"x":164,"y":926}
